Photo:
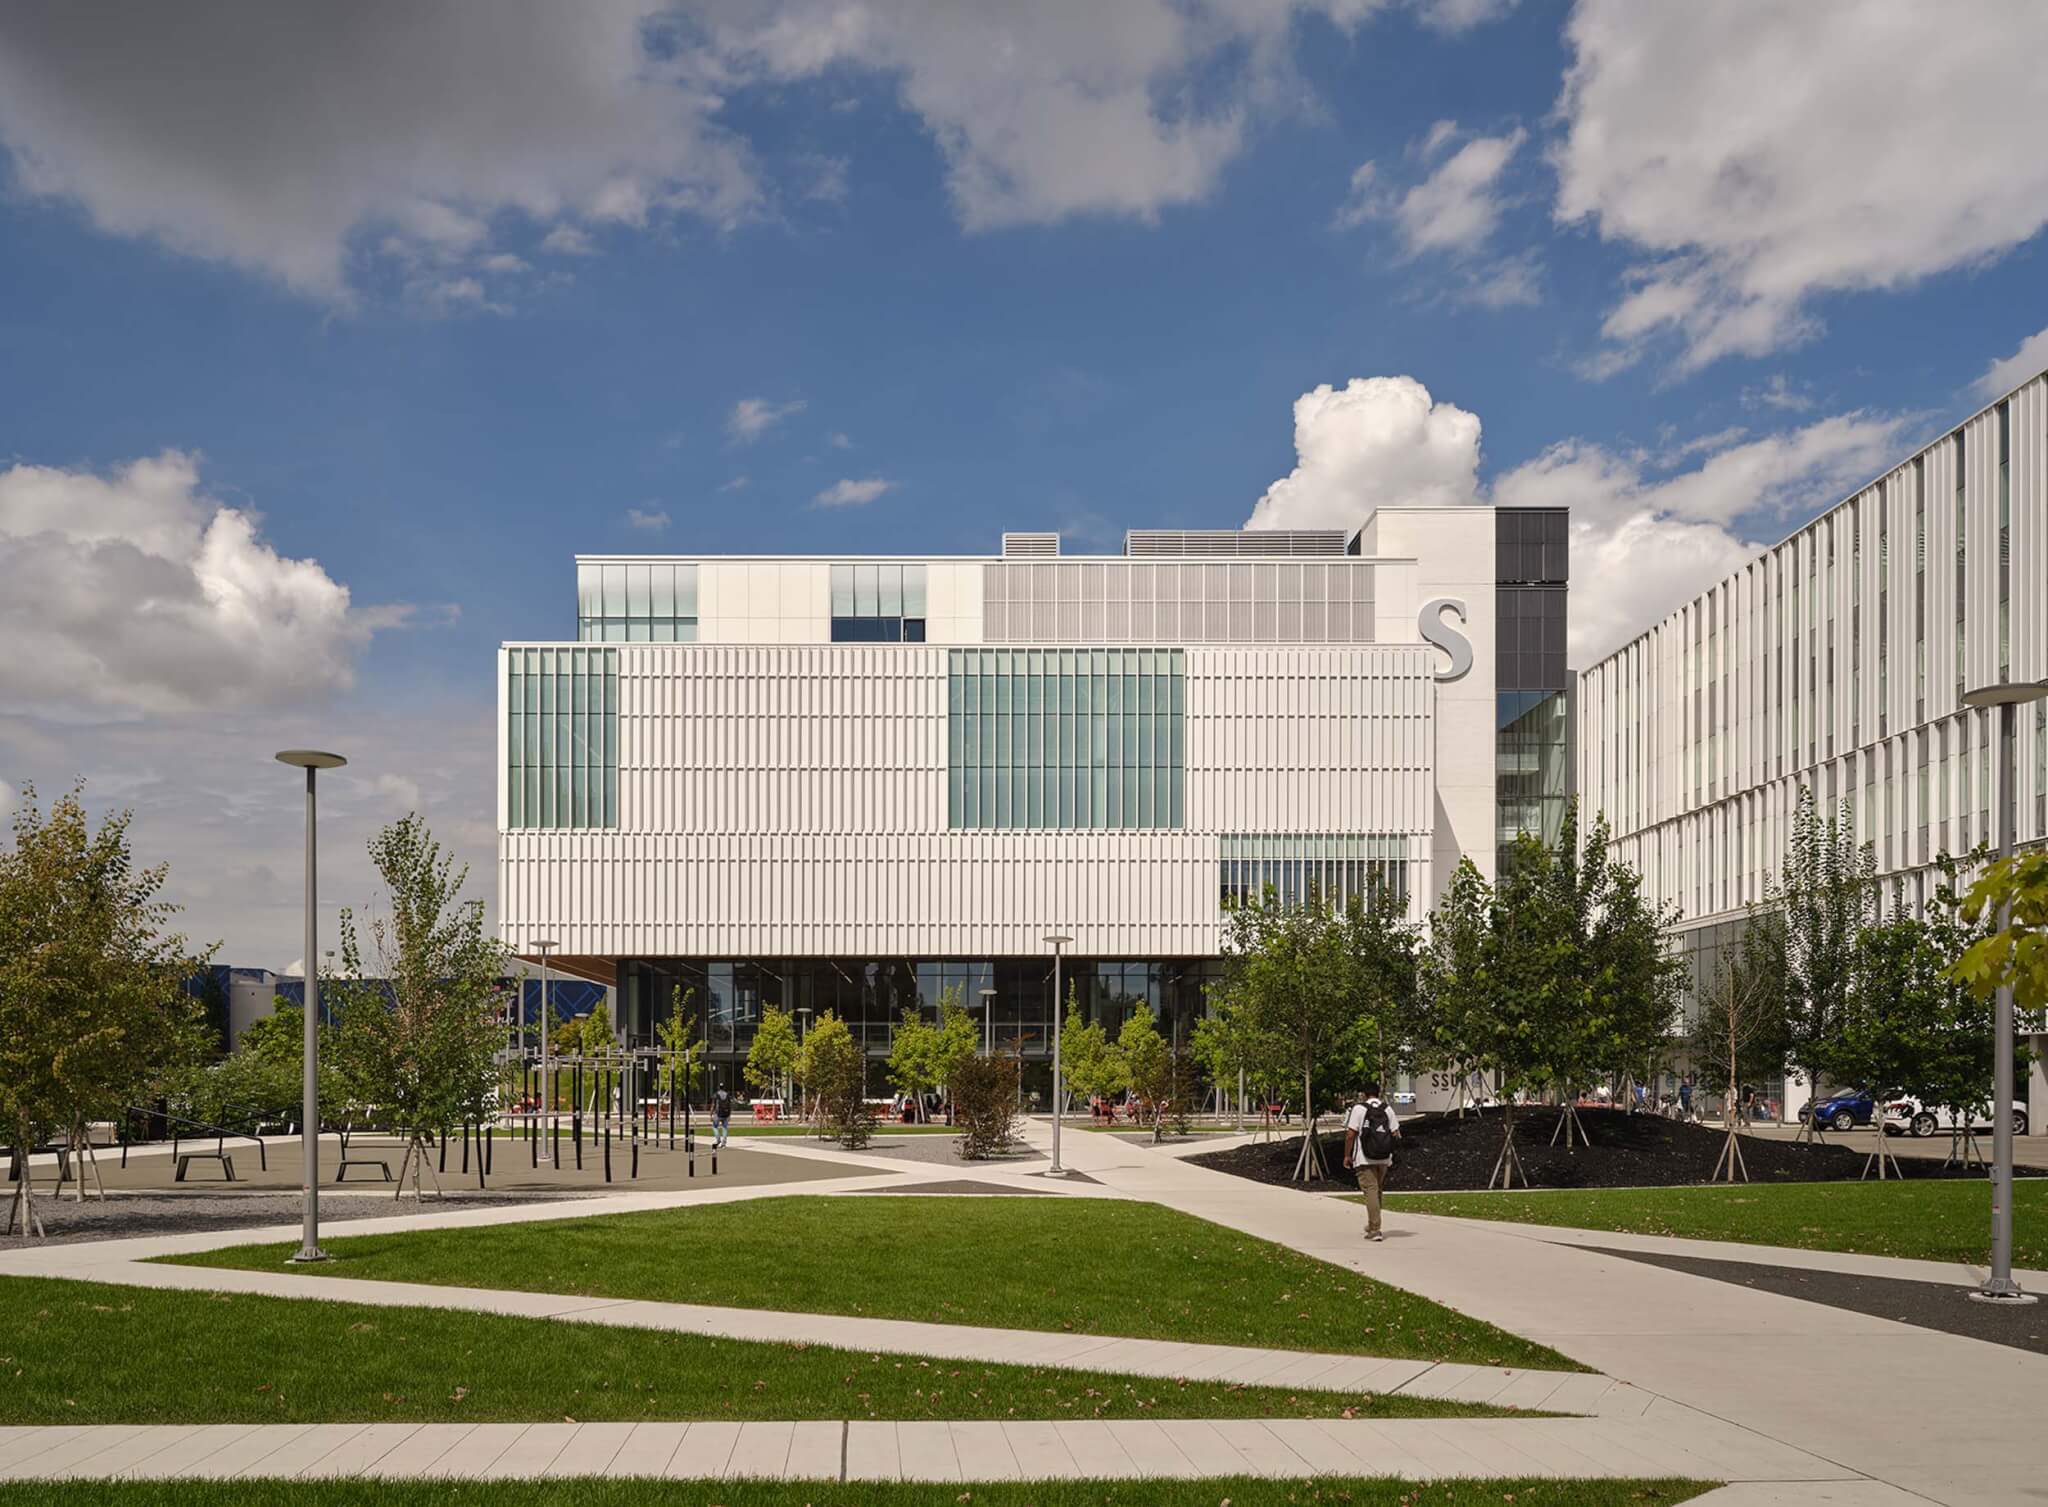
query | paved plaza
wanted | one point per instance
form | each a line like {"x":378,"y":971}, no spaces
{"x":1695,"y":1377}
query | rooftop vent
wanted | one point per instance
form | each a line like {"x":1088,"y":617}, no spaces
{"x":1030,"y":546}
{"x":1220,"y":542}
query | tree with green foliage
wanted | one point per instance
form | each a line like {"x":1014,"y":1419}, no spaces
{"x":1383,"y":946}
{"x":93,"y":1013}
{"x":1531,"y":1028}
{"x":983,"y":1091}
{"x":1453,"y":991}
{"x":1292,"y":971}
{"x":1740,"y":1025}
{"x":682,"y":1069}
{"x":772,"y":1057}
{"x":2007,"y":911}
{"x":1827,"y":891}
{"x":1230,"y":1048}
{"x":1148,"y":1065}
{"x":834,"y":1071}
{"x":1090,"y":1062}
{"x":1634,"y":974}
{"x":913,"y":1066}
{"x":420,"y":1045}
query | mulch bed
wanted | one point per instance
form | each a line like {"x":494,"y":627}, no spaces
{"x":1629,"y":1151}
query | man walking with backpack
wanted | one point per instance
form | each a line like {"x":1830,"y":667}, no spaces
{"x":1370,"y":1130}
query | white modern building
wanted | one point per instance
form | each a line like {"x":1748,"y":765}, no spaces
{"x":1836,"y":662}
{"x":849,"y":784}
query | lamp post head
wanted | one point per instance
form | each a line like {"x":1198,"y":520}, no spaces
{"x":310,"y":758}
{"x":1057,"y":941}
{"x":2012,"y":693}
{"x":543,"y":948}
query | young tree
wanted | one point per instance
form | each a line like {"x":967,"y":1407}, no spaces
{"x":1639,"y":978}
{"x":1383,"y":945}
{"x":1148,"y":1063}
{"x":1092,"y":1065}
{"x":420,"y":1046}
{"x":835,"y":1074}
{"x":1453,"y":988}
{"x":773,"y":1054}
{"x":914,"y":1066}
{"x":682,"y":1070}
{"x":1529,"y":1026}
{"x":92,"y":1011}
{"x":2007,"y":914}
{"x":1294,"y":975}
{"x":1826,"y":890}
{"x":1741,"y":1024}
{"x":984,"y":1095}
{"x":1227,"y":1044}
{"x":956,"y":1039}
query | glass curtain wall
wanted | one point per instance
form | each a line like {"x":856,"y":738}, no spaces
{"x":1334,"y":869}
{"x":1065,"y":738}
{"x":636,"y":601}
{"x":878,"y":604}
{"x":562,"y":738}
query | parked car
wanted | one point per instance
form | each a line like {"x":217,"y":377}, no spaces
{"x":1843,"y":1111}
{"x":1911,"y":1117}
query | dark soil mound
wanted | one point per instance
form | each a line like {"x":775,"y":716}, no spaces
{"x":1628,"y":1151}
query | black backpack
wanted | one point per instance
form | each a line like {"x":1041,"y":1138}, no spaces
{"x":1377,"y":1144}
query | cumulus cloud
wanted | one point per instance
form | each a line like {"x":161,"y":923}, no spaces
{"x":134,"y":592}
{"x":1050,"y":110}
{"x":848,"y":493}
{"x":292,"y":140}
{"x":1742,"y":151}
{"x":1651,"y":528}
{"x":1652,"y":538}
{"x":753,"y":417}
{"x":1450,"y":215}
{"x":567,"y":240}
{"x":1454,"y":16}
{"x":2024,"y":364}
{"x":652,"y":520}
{"x":1375,"y":442}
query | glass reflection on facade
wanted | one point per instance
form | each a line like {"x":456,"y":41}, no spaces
{"x":725,"y":998}
{"x":1334,"y":869}
{"x":878,"y":604}
{"x":1065,"y":738}
{"x":562,"y":738}
{"x":1532,"y":754}
{"x":636,"y":602}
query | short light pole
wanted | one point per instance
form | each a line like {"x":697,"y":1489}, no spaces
{"x":547,"y":1078}
{"x":1056,"y":943}
{"x":2000,"y":1287}
{"x":988,"y":1022}
{"x":312,"y":761}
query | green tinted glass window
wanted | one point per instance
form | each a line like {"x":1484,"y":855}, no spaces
{"x":562,"y":738}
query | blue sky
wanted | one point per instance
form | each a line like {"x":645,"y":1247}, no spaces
{"x":455,"y":301}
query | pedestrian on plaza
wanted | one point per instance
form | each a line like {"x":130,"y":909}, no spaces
{"x":1370,"y":1130}
{"x":1685,"y":1098}
{"x":721,"y":1118}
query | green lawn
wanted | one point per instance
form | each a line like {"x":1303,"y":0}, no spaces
{"x":1933,"y":1221}
{"x":85,"y":1352}
{"x":1094,"y":1266}
{"x":1236,"y":1491}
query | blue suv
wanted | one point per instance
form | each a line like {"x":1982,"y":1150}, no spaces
{"x":1845,"y":1110}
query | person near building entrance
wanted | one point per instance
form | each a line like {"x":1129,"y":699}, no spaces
{"x":721,"y":1118}
{"x":1370,"y":1129}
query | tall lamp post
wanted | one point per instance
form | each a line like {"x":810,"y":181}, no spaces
{"x":988,"y":1022}
{"x":2000,"y":1287}
{"x":1056,"y":943}
{"x":312,"y":761}
{"x":547,"y":1078}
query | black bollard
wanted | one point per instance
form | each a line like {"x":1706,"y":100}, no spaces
{"x":465,"y":1148}
{"x":607,"y":1151}
{"x":443,"y":1167}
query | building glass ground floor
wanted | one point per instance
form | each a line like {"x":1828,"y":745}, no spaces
{"x":726,"y":997}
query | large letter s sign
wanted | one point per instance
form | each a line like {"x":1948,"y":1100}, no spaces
{"x":1450,"y":640}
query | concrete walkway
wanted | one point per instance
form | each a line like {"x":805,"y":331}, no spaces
{"x":1411,"y":1449}
{"x":1865,"y":1392}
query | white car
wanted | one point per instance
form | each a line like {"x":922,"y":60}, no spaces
{"x":1911,"y":1117}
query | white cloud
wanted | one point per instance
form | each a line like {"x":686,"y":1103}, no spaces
{"x":567,"y":240}
{"x":1454,"y":16}
{"x":847,"y":493}
{"x":209,"y":799}
{"x":1053,"y":109}
{"x":737,"y":484}
{"x":838,"y":441}
{"x":753,"y":417}
{"x":1375,"y":442}
{"x":1745,"y":152}
{"x":1361,"y":203}
{"x":1779,"y":393}
{"x":1458,"y":206}
{"x":1642,"y":543}
{"x":1511,"y":282}
{"x":1645,"y":534}
{"x":278,"y":137}
{"x":134,"y":592}
{"x":2024,"y":364}
{"x":653,"y":520}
